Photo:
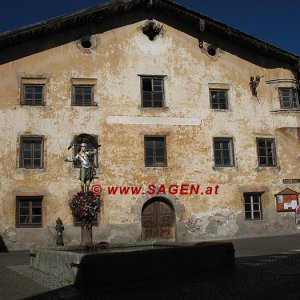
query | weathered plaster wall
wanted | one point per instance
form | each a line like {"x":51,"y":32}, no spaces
{"x":120,"y":123}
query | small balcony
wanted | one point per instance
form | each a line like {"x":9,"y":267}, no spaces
{"x":284,"y":118}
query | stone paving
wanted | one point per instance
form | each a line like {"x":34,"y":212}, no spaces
{"x":49,"y":281}
{"x":275,"y":275}
{"x":14,"y":286}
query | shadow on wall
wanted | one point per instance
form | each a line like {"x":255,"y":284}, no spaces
{"x":3,"y":247}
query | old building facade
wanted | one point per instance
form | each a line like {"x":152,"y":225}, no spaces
{"x":205,"y":119}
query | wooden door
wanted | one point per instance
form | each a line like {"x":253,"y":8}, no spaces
{"x":158,"y":221}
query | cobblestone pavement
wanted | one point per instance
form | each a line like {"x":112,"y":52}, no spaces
{"x":47,"y":280}
{"x":270,"y":276}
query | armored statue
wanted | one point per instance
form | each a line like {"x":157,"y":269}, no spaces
{"x":87,"y":167}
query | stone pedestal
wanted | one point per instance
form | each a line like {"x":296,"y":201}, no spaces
{"x":87,"y":234}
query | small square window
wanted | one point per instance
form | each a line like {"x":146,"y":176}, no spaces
{"x":29,"y":211}
{"x":31,"y":153}
{"x":223,"y":152}
{"x":77,"y":222}
{"x":155,"y":152}
{"x":33,"y":94}
{"x":152,"y":91}
{"x":289,"y":98}
{"x":83,"y":95}
{"x":218,"y":98}
{"x":252,"y":202}
{"x":266,"y":152}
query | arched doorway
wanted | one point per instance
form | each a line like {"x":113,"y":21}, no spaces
{"x":158,"y":220}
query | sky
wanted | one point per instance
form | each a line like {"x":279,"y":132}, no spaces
{"x":275,"y":22}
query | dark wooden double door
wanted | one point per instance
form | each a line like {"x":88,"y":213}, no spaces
{"x":158,"y":220}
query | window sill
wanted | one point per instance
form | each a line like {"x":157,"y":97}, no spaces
{"x":220,"y":109}
{"x":29,"y":226}
{"x":284,"y":110}
{"x":153,"y":108}
{"x":38,"y":105}
{"x":85,"y":105}
{"x":261,"y":168}
{"x":40,"y":170}
{"x":79,"y":225}
{"x":155,"y":167}
{"x":220,"y":168}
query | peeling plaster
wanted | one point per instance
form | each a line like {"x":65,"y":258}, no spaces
{"x":218,"y":223}
{"x":120,"y":123}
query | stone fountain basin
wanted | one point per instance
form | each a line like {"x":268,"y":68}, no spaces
{"x":122,"y":264}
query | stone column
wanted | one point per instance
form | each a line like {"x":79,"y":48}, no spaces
{"x":87,"y":234}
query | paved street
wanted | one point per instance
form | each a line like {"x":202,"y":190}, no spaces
{"x":267,"y":268}
{"x":14,"y":285}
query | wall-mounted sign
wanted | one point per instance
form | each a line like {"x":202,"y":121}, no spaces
{"x":291,"y":181}
{"x":287,"y":200}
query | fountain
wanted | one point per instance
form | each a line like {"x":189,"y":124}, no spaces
{"x":94,"y":264}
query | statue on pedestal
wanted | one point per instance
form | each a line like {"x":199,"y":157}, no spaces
{"x":87,"y":167}
{"x":85,"y":205}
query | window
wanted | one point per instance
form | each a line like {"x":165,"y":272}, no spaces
{"x":152,"y":91}
{"x":90,"y":141}
{"x":289,"y":98}
{"x":252,"y":206}
{"x":31,"y":152}
{"x":33,"y":94}
{"x":218,"y":99}
{"x":266,"y":152}
{"x":155,"y":152}
{"x":223,"y":152}
{"x":83,"y":95}
{"x":29,"y":211}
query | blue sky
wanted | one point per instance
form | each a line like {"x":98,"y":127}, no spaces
{"x":276,"y":22}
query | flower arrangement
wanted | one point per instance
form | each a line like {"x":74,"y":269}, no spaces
{"x":85,"y":206}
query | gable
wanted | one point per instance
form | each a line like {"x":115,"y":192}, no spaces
{"x":70,"y":27}
{"x":287,"y":191}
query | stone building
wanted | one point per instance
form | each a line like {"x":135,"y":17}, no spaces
{"x":198,"y":122}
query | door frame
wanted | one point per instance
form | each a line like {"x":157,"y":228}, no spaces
{"x":166,"y":201}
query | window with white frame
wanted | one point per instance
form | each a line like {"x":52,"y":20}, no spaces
{"x":266,"y":152}
{"x":31,"y":152}
{"x":29,"y":211}
{"x":152,"y":89}
{"x":218,"y":98}
{"x":252,"y":202}
{"x":289,"y":98}
{"x":223,"y":152}
{"x":155,"y":151}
